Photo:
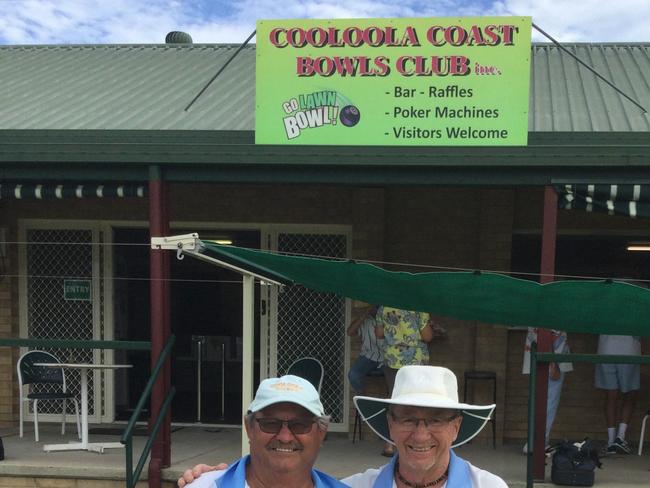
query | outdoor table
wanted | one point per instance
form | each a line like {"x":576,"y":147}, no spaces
{"x":84,"y":445}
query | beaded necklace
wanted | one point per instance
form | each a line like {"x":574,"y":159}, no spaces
{"x":417,"y":485}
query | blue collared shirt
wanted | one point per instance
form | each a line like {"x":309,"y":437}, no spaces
{"x":235,"y":477}
{"x":459,"y":473}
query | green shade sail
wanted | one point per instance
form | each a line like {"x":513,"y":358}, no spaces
{"x":596,"y":307}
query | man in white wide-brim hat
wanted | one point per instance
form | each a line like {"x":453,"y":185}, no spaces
{"x":425,"y":420}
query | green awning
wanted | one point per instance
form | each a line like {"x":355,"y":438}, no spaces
{"x":629,"y":200}
{"x":60,"y":191}
{"x":596,"y":307}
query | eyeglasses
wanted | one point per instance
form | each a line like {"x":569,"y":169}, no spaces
{"x":296,"y":426}
{"x":409,"y":424}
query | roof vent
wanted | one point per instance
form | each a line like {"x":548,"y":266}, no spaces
{"x":177,"y":37}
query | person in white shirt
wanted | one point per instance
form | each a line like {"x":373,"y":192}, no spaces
{"x":620,"y":382}
{"x":425,"y":421}
{"x":556,"y":373}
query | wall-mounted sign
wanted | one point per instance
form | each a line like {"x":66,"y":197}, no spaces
{"x":435,"y":81}
{"x":77,"y":290}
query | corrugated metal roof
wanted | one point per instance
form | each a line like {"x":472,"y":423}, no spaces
{"x":125,"y":87}
{"x":130,"y":87}
{"x":565,"y":96}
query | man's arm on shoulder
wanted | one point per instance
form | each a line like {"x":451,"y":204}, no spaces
{"x":206,"y":480}
{"x":192,"y":474}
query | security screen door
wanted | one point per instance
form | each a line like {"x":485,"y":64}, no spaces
{"x":302,"y":322}
{"x":61,"y":299}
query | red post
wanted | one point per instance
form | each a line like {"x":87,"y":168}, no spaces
{"x":166,"y":427}
{"x":160,"y":325}
{"x":544,"y":336}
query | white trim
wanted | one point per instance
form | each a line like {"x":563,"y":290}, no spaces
{"x":96,"y":293}
{"x":109,"y":325}
{"x":22,"y":283}
{"x":268,"y":243}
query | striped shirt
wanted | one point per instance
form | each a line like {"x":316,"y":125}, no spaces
{"x":371,"y":347}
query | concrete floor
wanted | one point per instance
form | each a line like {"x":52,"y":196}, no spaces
{"x":339,"y":457}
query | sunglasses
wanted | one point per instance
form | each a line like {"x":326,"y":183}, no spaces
{"x":274,"y":426}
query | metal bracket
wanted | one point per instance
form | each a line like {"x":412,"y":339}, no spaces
{"x":180,"y":243}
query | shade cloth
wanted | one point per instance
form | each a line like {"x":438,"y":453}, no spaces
{"x":598,"y":307}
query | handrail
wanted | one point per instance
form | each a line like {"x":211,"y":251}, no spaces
{"x":132,"y":477}
{"x":74,"y":343}
{"x":548,"y":357}
{"x":127,"y":437}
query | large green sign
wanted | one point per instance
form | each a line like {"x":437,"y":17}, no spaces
{"x":435,"y":81}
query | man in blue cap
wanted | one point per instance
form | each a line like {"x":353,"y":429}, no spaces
{"x":286,"y":426}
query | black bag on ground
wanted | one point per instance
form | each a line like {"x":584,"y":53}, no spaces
{"x":574,"y":463}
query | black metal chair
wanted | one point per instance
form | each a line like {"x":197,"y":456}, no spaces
{"x":310,"y":369}
{"x":29,"y":374}
{"x":358,"y":423}
{"x":483,"y":376}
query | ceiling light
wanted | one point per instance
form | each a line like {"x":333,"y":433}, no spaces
{"x":638,"y":246}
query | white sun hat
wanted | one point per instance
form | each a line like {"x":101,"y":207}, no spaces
{"x":429,"y":387}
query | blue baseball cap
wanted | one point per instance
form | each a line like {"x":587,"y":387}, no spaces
{"x":290,"y":389}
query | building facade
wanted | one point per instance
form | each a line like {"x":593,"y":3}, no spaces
{"x":107,"y":118}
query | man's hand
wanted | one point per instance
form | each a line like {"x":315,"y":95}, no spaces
{"x":191,"y":474}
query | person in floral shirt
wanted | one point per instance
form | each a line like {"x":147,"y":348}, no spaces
{"x":405,"y":335}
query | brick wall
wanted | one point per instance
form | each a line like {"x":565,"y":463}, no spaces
{"x":7,"y":324}
{"x":368,"y":209}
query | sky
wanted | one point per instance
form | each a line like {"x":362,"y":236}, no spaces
{"x":223,"y":21}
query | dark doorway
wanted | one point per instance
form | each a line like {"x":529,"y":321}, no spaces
{"x":206,"y":317}
{"x":589,"y":256}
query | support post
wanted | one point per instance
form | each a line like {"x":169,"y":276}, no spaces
{"x":544,"y":336}
{"x":160,"y":325}
{"x":248,"y":363}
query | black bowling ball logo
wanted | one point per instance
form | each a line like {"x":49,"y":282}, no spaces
{"x":349,"y":116}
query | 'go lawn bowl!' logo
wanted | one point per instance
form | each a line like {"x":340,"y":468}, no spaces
{"x":318,"y":109}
